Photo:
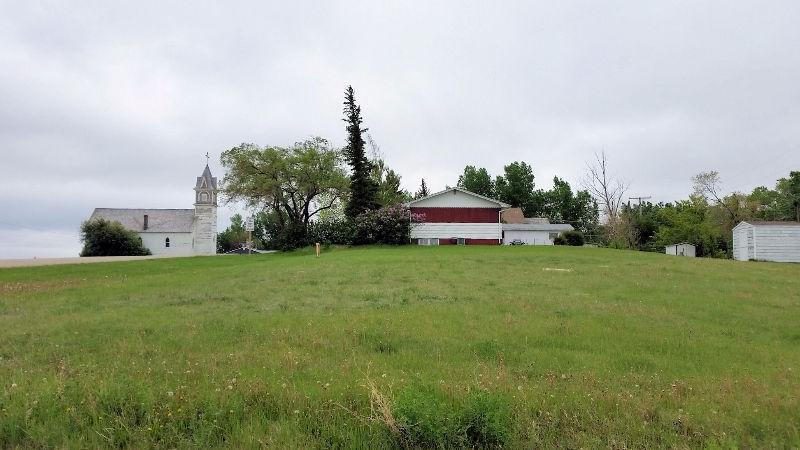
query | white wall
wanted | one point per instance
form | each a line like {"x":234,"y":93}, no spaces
{"x":681,"y":250}
{"x":528,"y":237}
{"x":457,"y":230}
{"x":179,"y":243}
{"x":205,"y":230}
{"x":779,"y":243}
{"x":741,"y":242}
{"x":455,"y":199}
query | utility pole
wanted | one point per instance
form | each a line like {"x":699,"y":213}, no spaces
{"x":640,"y":198}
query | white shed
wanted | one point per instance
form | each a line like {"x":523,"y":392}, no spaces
{"x":767,"y":241}
{"x":682,"y":249}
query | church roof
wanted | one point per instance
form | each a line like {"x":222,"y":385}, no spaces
{"x":158,"y":220}
{"x":205,"y":180}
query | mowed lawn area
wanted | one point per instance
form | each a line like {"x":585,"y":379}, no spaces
{"x":517,"y":347}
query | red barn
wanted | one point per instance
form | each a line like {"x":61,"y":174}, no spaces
{"x":457,"y":216}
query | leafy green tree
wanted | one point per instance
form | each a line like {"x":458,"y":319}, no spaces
{"x":764,"y":203}
{"x":515,"y":187}
{"x":288,"y":184}
{"x":476,"y":180}
{"x":389,"y":191}
{"x":789,"y":196}
{"x":560,"y":204}
{"x":691,"y":221}
{"x":363,"y":188}
{"x":233,"y":237}
{"x":101,"y":237}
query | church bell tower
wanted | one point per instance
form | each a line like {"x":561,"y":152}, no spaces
{"x":205,"y":214}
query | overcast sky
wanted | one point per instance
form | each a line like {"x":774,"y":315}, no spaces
{"x":105,"y":104}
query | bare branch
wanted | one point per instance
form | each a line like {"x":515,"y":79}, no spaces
{"x":608,"y":191}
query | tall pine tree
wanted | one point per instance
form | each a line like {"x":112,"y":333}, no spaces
{"x":363,"y":189}
{"x":423,"y":190}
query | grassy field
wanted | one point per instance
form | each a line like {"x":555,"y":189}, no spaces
{"x":403,"y":347}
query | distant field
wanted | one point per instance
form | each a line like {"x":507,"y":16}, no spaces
{"x":390,"y":347}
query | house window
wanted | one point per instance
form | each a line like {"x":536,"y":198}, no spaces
{"x":461,"y":241}
{"x":428,"y":241}
{"x":553,"y":236}
{"x":166,"y":243}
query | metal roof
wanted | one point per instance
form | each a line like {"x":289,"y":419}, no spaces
{"x":537,"y":227}
{"x":773,"y":222}
{"x":435,"y":194}
{"x":158,"y":220}
{"x":206,"y":180}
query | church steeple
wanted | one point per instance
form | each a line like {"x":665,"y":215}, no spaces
{"x":205,"y":189}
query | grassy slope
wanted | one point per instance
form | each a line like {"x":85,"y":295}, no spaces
{"x":627,"y":349}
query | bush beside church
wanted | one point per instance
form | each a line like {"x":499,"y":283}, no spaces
{"x":101,"y":237}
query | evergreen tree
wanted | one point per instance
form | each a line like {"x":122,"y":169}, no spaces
{"x":423,"y":190}
{"x":363,"y":188}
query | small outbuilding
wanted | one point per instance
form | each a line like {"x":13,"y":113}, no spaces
{"x":767,"y":241}
{"x":682,"y":249}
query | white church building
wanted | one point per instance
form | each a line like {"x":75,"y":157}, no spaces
{"x":178,"y":232}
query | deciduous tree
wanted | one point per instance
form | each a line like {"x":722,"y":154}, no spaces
{"x":515,"y":187}
{"x":477,"y":180}
{"x":287,"y":183}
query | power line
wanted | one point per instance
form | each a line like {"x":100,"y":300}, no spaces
{"x":640,"y":198}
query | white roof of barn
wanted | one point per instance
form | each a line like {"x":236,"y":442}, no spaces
{"x":458,"y":189}
{"x":158,"y":220}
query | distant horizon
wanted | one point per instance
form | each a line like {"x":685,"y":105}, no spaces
{"x":117,"y":105}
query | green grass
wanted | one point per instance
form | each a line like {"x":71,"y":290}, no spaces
{"x":402,"y":347}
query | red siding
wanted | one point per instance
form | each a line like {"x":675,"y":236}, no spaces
{"x":459,"y":215}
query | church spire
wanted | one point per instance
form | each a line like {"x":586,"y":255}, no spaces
{"x":206,"y":188}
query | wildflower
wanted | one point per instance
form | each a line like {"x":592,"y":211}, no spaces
{"x":170,"y":393}
{"x":13,"y":385}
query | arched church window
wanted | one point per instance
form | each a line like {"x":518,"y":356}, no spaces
{"x":204,"y":196}
{"x":166,"y":242}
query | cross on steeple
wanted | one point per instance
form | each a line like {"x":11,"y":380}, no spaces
{"x":207,"y":158}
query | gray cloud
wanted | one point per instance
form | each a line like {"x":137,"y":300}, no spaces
{"x":107,"y":104}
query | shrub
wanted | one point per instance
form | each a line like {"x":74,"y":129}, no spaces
{"x":331,"y":232}
{"x":486,"y":420}
{"x":559,"y":240}
{"x":101,"y":237}
{"x":574,"y":238}
{"x":390,"y":225}
{"x":428,"y":418}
